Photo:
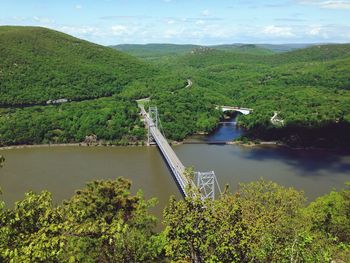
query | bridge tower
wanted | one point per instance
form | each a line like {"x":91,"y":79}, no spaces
{"x":206,"y":182}
{"x":154,"y":117}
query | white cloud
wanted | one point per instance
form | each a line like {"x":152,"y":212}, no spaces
{"x":19,"y":18}
{"x":196,"y":30}
{"x":118,"y":30}
{"x":330,"y":4}
{"x":82,"y":31}
{"x":314,"y":31}
{"x":78,"y":7}
{"x":278,"y":31}
{"x":210,"y":33}
{"x":43,"y":20}
{"x":173,"y":33}
{"x":200,"y":22}
{"x":205,"y":13}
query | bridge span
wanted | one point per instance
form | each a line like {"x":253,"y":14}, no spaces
{"x":244,"y":111}
{"x":206,"y":181}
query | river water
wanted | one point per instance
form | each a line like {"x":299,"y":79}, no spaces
{"x":62,"y":170}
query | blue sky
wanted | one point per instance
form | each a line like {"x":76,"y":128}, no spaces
{"x":209,"y":22}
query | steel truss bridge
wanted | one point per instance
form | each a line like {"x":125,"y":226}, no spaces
{"x":206,"y":181}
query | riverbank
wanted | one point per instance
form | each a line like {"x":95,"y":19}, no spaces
{"x":102,"y":144}
{"x":254,"y":144}
{"x":11,"y":147}
{"x":248,"y":144}
{"x":43,"y":146}
{"x":279,"y":144}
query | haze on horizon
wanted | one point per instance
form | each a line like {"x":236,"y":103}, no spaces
{"x":204,"y":22}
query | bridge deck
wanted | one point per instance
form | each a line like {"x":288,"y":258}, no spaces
{"x":173,"y":161}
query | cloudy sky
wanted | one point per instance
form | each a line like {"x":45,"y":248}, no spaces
{"x":111,"y":22}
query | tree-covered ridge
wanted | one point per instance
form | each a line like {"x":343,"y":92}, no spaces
{"x":115,"y":120}
{"x":157,"y":51}
{"x":309,"y":88}
{"x":261,"y":222}
{"x":39,"y":64}
{"x":101,"y":223}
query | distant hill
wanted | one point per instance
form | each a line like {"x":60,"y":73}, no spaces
{"x":284,"y":47}
{"x":203,"y":57}
{"x":245,"y":48}
{"x":153,"y":51}
{"x":315,"y":53}
{"x":156,"y":51}
{"x":39,"y":64}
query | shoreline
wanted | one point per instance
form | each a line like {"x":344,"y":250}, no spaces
{"x":22,"y":146}
{"x":174,"y":143}
{"x":54,"y":145}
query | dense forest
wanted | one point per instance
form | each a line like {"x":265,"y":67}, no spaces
{"x":156,"y":51}
{"x":38,"y":65}
{"x":114,"y":119}
{"x":104,"y":222}
{"x":309,"y":89}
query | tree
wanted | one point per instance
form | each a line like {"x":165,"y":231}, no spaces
{"x":31,"y":231}
{"x":204,"y":230}
{"x":262,"y":222}
{"x":330,"y":218}
{"x":101,"y":223}
{"x":276,"y":228}
{"x":105,"y":223}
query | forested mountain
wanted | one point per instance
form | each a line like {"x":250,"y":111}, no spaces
{"x":39,"y":64}
{"x":309,"y":89}
{"x":156,"y":51}
{"x":244,"y":48}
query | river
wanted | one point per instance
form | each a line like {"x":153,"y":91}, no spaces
{"x":62,"y":170}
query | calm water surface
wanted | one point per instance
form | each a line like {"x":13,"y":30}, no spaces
{"x":62,"y":170}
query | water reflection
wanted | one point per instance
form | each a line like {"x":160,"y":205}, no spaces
{"x":308,"y":162}
{"x":226,"y":131}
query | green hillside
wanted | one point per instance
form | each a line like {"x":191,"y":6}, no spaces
{"x":284,"y":47}
{"x":309,"y":88}
{"x":244,"y":48}
{"x":39,"y":64}
{"x":320,"y":53}
{"x":155,"y":51}
{"x":159,"y":51}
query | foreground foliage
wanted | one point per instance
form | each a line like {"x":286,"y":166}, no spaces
{"x":102,"y":223}
{"x":262,"y":222}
